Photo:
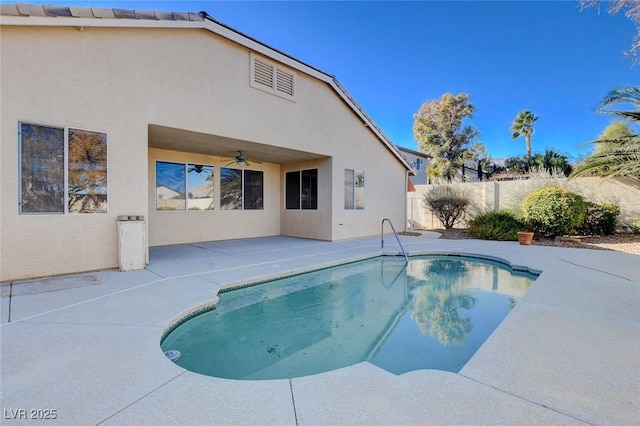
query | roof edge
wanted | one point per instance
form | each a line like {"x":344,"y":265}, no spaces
{"x":20,"y":14}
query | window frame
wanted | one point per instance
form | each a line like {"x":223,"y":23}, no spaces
{"x":65,"y":165}
{"x":188,"y":189}
{"x":185,"y":165}
{"x":242,"y":189}
{"x":296,"y":197}
{"x":300,"y":203}
{"x":354,"y":190}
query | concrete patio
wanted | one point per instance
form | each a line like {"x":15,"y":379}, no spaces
{"x":87,"y":345}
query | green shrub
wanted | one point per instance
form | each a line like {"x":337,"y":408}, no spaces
{"x":600,"y":219}
{"x":552,"y":211}
{"x":501,"y":226}
{"x":447,"y":203}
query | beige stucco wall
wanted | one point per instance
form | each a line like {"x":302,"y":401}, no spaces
{"x":174,"y":227}
{"x":314,"y":224}
{"x":122,"y":80}
{"x":381,"y":198}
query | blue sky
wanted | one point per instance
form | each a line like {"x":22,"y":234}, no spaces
{"x":545,"y":56}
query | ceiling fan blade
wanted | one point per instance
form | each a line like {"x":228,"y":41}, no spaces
{"x":230,"y":162}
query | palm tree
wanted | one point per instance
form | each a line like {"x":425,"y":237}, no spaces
{"x":630,"y":94}
{"x":523,"y":126}
{"x":552,"y":162}
{"x":619,"y":156}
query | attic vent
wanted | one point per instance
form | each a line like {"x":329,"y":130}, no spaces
{"x":263,"y":73}
{"x":284,"y":82}
{"x":272,"y":78}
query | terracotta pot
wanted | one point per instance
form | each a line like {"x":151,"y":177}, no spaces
{"x":525,"y":238}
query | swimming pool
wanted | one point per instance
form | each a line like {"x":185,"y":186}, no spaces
{"x":432,"y":313}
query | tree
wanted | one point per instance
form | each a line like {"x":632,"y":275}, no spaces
{"x":631,"y":10}
{"x":620,"y":155}
{"x":614,"y":131}
{"x":438,"y":129}
{"x":523,"y":126}
{"x":439,"y":306}
{"x":448,"y":204}
{"x":519,"y":165}
{"x":553,"y":162}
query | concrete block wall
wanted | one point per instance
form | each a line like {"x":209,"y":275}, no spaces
{"x":493,"y":196}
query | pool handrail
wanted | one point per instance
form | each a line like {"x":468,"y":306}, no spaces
{"x":394,"y":233}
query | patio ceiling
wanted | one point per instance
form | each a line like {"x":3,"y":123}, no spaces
{"x":173,"y":139}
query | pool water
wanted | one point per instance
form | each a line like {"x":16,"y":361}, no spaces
{"x":433,"y":313}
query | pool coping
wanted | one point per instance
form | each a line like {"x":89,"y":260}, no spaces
{"x":554,"y":359}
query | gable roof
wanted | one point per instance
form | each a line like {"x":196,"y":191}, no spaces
{"x":20,"y":14}
{"x":413,"y":152}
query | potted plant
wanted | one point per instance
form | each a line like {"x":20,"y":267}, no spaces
{"x":526,"y":237}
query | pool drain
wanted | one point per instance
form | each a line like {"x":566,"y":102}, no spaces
{"x":173,"y":355}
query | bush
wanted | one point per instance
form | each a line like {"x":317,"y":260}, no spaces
{"x":552,"y":211}
{"x":600,"y":219}
{"x":501,"y":226}
{"x":448,"y":204}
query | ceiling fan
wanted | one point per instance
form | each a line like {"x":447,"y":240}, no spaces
{"x":242,"y":161}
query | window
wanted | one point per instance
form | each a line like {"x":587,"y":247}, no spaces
{"x":292,"y":190}
{"x":181,"y":186}
{"x":419,"y":164}
{"x":87,"y":171}
{"x":230,"y":189}
{"x":301,"y":190}
{"x":253,"y":190}
{"x":267,"y":76}
{"x":47,"y":185}
{"x":241,"y":189}
{"x":199,"y":187}
{"x":353,"y":189}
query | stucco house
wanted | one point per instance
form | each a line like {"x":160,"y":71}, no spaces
{"x":109,"y":112}
{"x":420,"y":163}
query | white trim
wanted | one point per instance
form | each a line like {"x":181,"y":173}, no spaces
{"x":65,"y":173}
{"x":263,"y":49}
{"x":63,"y":21}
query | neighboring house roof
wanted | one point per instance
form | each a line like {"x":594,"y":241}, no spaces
{"x":169,"y":192}
{"x":202,"y":191}
{"x":37,"y":15}
{"x":412,"y":152}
